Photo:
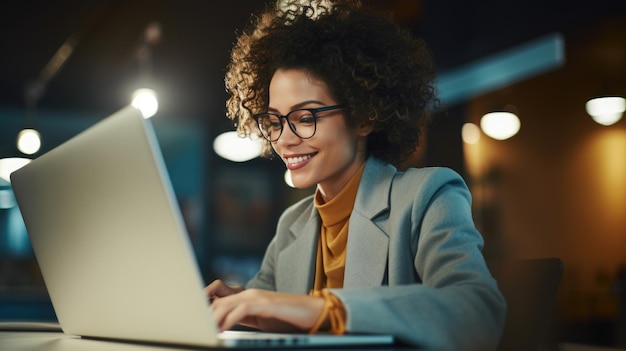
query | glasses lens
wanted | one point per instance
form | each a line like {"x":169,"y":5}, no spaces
{"x":302,"y":122}
{"x":270,"y":126}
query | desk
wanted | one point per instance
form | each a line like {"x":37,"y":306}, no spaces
{"x":57,"y":341}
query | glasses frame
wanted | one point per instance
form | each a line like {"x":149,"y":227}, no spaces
{"x":313,"y":112}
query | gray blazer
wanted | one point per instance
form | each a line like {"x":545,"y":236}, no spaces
{"x":414,"y":266}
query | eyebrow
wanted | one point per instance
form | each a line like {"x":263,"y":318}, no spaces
{"x":300,"y":105}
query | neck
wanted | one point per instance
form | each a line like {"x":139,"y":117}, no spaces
{"x":328,"y":190}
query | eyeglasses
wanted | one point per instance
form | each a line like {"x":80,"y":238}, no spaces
{"x":302,"y":122}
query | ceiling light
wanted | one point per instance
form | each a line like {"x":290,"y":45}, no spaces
{"x":470,"y":133}
{"x":606,"y":110}
{"x":500,"y":125}
{"x":9,"y":165}
{"x":145,"y":100}
{"x":234,"y":148}
{"x":28,"y":141}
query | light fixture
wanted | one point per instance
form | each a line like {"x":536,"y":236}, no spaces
{"x":234,"y":148}
{"x":28,"y":141}
{"x":470,"y":133}
{"x":500,"y":125}
{"x":145,"y":100}
{"x":9,"y":165}
{"x":606,"y":110}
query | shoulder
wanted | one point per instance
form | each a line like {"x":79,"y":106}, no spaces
{"x":426,"y":188}
{"x":299,"y":211}
{"x":429,"y":175}
{"x":427,"y":179}
{"x":377,"y":172}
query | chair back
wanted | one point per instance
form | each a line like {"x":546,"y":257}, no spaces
{"x":529,"y":287}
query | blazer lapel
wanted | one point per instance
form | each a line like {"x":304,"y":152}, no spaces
{"x":367,"y":249}
{"x":366,"y":256}
{"x":296,"y":267}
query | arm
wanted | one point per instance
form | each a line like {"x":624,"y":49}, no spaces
{"x":457,"y":304}
{"x":276,"y":297}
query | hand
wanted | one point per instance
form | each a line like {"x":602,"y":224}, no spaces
{"x":268,"y":310}
{"x":218,"y":289}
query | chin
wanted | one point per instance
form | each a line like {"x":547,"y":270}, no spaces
{"x":301,"y":184}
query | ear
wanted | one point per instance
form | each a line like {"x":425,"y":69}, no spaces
{"x":365,"y":128}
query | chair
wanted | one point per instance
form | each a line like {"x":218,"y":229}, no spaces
{"x":529,"y":287}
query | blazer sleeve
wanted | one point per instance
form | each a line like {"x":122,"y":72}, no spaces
{"x":454,"y":302}
{"x":272,"y":273}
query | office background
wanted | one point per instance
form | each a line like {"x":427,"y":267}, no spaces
{"x":555,"y":189}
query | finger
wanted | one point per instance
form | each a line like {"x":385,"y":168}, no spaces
{"x":218,"y":288}
{"x":239,"y":308}
{"x":265,"y":309}
{"x":221,"y":308}
{"x":211,"y":290}
{"x":247,"y":313}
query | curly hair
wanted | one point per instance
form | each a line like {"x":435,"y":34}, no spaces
{"x":376,"y":68}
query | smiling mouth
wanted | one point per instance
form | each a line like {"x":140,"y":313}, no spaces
{"x":295,"y":161}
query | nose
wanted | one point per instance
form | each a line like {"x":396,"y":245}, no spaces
{"x":288,"y":137}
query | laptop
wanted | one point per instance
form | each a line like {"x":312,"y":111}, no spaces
{"x":112,"y":246}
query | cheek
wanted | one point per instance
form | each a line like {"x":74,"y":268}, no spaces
{"x":340,"y":142}
{"x":337,"y":133}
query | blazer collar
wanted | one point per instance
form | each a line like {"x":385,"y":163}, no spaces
{"x":373,"y":195}
{"x":367,"y":242}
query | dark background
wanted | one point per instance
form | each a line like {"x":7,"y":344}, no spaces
{"x":221,"y":200}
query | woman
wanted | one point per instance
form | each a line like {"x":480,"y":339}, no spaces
{"x":341,"y":94}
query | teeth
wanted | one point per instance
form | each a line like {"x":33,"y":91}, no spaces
{"x":298,"y":159}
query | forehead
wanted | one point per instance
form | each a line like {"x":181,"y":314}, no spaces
{"x":290,"y":87}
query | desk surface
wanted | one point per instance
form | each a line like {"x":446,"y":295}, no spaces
{"x":57,"y":341}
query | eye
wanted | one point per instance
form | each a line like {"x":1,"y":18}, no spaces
{"x":304,"y":118}
{"x":270,"y":122}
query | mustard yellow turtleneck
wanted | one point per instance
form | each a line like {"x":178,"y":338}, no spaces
{"x":335,"y":214}
{"x":331,"y":254}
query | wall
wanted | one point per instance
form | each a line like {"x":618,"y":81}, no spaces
{"x":558,"y":188}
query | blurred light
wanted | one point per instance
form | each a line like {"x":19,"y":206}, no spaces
{"x":28,"y":141}
{"x":500,"y":125}
{"x":470,"y":133}
{"x":11,"y":164}
{"x":501,"y":69}
{"x":16,"y":240}
{"x":234,"y":148}
{"x":153,"y":33}
{"x":288,"y":180}
{"x":7,"y":200}
{"x":145,"y":100}
{"x":606,"y":110}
